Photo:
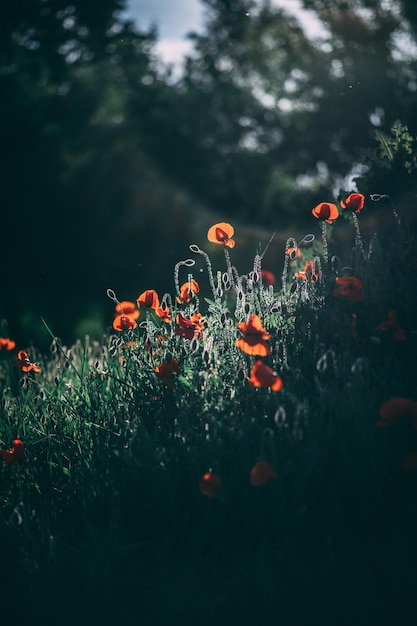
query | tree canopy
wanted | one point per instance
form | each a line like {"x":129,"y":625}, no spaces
{"x":104,"y":150}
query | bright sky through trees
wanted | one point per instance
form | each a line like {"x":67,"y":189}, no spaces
{"x":175,"y":19}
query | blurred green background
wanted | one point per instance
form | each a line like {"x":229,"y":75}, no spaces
{"x":112,"y":163}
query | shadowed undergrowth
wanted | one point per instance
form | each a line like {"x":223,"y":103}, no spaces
{"x":241,"y":453}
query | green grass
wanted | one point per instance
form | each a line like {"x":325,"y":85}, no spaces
{"x":103,"y":521}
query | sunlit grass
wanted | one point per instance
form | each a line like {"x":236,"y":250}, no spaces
{"x":222,"y":454}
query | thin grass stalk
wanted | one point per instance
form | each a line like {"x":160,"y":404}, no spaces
{"x":376,"y":197}
{"x":194,"y":248}
{"x":228,"y":263}
{"x":187,"y":263}
{"x":358,"y":235}
{"x":290,"y":243}
{"x":324,"y":241}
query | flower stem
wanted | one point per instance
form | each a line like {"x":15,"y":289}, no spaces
{"x":194,"y":248}
{"x":358,"y":236}
{"x":324,"y":240}
{"x":228,"y":263}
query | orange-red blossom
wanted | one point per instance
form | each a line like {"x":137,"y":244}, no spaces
{"x":209,"y":485}
{"x":222,"y":234}
{"x":326,"y":211}
{"x":167,"y":371}
{"x":15,"y":454}
{"x":164,"y":312}
{"x":310,"y":272}
{"x":148,"y":298}
{"x":7,"y":344}
{"x":124,"y":322}
{"x":268,"y":277}
{"x":349,"y":287}
{"x":397,"y":409}
{"x":261,"y":474}
{"x":293,"y":253}
{"x":128,"y":308}
{"x":187,"y":290}
{"x":254,"y":340}
{"x":264,"y":376}
{"x":25,"y":363}
{"x":189,"y":328}
{"x":392,"y":324}
{"x":354,"y":202}
{"x":125,"y":315}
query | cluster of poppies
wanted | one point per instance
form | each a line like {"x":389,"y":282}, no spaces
{"x":328,"y":211}
{"x":254,"y":341}
{"x":16,"y":452}
{"x":126,"y":312}
{"x":349,"y":287}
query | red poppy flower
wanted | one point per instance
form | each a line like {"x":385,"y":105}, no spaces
{"x":209,"y":485}
{"x":127,"y":308}
{"x":124,"y":322}
{"x":189,"y":328}
{"x":15,"y":454}
{"x":148,"y":298}
{"x":25,"y":363}
{"x":221,"y":233}
{"x":7,"y":344}
{"x":349,"y":287}
{"x":396,"y":409}
{"x":293,"y":253}
{"x":261,"y":474}
{"x":187,"y":290}
{"x":164,"y":313}
{"x":310,"y":273}
{"x":268,"y":277}
{"x":264,"y":376}
{"x":255,"y":337}
{"x":167,"y":372}
{"x":326,"y":211}
{"x":354,"y":202}
{"x":393,"y":326}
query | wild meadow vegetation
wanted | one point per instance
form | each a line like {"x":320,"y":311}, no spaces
{"x":234,"y":455}
{"x":235,"y":439}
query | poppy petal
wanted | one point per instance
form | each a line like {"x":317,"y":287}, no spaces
{"x":209,"y":485}
{"x":221,"y":234}
{"x":261,"y":474}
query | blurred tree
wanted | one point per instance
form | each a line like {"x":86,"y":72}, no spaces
{"x":370,"y":55}
{"x":66,"y":153}
{"x":231,"y":142}
{"x":372,"y":48}
{"x":98,"y":138}
{"x":266,"y":120}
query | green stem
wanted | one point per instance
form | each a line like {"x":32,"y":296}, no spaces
{"x":358,"y":236}
{"x":324,"y":240}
